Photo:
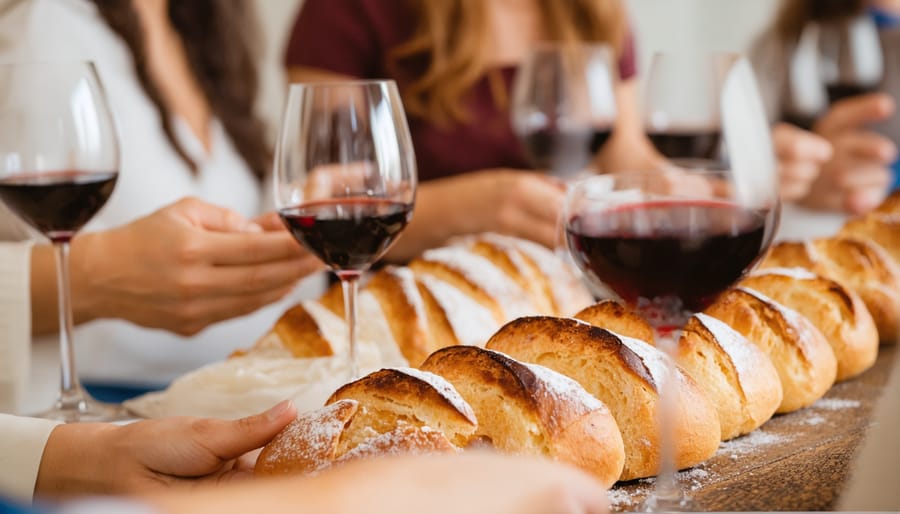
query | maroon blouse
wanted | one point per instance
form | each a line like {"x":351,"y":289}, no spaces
{"x":354,"y":37}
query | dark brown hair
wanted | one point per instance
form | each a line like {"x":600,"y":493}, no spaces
{"x":795,"y":14}
{"x":220,"y":39}
{"x":453,"y":35}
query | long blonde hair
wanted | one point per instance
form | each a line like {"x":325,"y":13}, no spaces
{"x":453,"y":34}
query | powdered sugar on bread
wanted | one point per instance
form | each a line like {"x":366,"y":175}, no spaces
{"x":482,"y":274}
{"x":564,"y":388}
{"x":797,"y":273}
{"x":444,"y":388}
{"x":655,"y":361}
{"x":800,"y":326}
{"x":741,"y":352}
{"x":472,"y":323}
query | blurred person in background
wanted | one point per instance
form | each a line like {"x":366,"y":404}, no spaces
{"x":455,"y":62}
{"x":181,"y":81}
{"x":861,"y":130}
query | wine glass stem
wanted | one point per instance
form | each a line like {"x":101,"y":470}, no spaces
{"x":349,"y":283}
{"x":668,"y":496}
{"x":71,"y":394}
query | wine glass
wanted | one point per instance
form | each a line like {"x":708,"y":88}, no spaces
{"x":805,"y":97}
{"x":59,"y":161}
{"x":852,"y":61}
{"x":682,"y":113}
{"x":833,"y":59}
{"x":345,"y":178}
{"x":563,"y":105}
{"x":668,"y":241}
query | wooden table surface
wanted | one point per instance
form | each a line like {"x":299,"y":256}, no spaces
{"x":798,"y":461}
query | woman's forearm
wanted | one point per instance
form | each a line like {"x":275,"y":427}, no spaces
{"x":435,"y":220}
{"x":628,"y":149}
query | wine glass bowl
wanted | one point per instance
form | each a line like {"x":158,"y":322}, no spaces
{"x":832,"y":59}
{"x":563,"y":105}
{"x":851,"y":57}
{"x":58,"y":166}
{"x":682,"y":114}
{"x":345,"y":177}
{"x":669,"y":240}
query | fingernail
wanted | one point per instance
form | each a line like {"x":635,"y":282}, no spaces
{"x":253,"y":228}
{"x":279,"y":410}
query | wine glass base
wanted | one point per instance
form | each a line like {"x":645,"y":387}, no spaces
{"x":86,"y":410}
{"x":677,"y":502}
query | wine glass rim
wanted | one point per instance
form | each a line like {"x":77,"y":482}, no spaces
{"x":49,"y":62}
{"x":711,"y":172}
{"x":341,"y":83}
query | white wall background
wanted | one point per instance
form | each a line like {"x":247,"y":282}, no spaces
{"x":672,"y":25}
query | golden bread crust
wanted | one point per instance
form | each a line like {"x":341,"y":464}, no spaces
{"x":804,"y":360}
{"x":412,"y":396}
{"x":859,"y":264}
{"x":835,"y":310}
{"x":883,"y":230}
{"x":616,"y":317}
{"x":300,"y":334}
{"x":531,"y":410}
{"x":736,"y":375}
{"x":623,"y":373}
{"x":309,"y":443}
{"x":403,"y":307}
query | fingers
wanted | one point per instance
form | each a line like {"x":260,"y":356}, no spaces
{"x":245,"y":249}
{"x":794,"y":144}
{"x":854,"y":113}
{"x":867,"y":145}
{"x":864,"y":200}
{"x":795,"y":181}
{"x":250,"y":279}
{"x":190,"y":319}
{"x":231,"y":439}
{"x":212,"y":217}
{"x":536,"y":209}
{"x":270,"y":222}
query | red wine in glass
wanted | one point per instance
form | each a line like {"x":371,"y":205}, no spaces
{"x":562,"y":150}
{"x":690,"y":250}
{"x":57,"y":203}
{"x":687,"y":143}
{"x":599,"y":138}
{"x":840,"y":91}
{"x":350,"y":234}
{"x":804,"y":121}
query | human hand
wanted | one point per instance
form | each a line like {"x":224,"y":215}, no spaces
{"x":856,"y":178}
{"x":100,"y":458}
{"x":513,"y":202}
{"x":474,"y":483}
{"x":800,"y":155}
{"x":185,"y":267}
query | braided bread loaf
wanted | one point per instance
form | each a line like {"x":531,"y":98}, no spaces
{"x":859,"y":264}
{"x":390,"y":411}
{"x":777,"y":343}
{"x":736,"y":376}
{"x":625,"y":374}
{"x":532,"y":410}
{"x":836,"y":311}
{"x":459,"y":294}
